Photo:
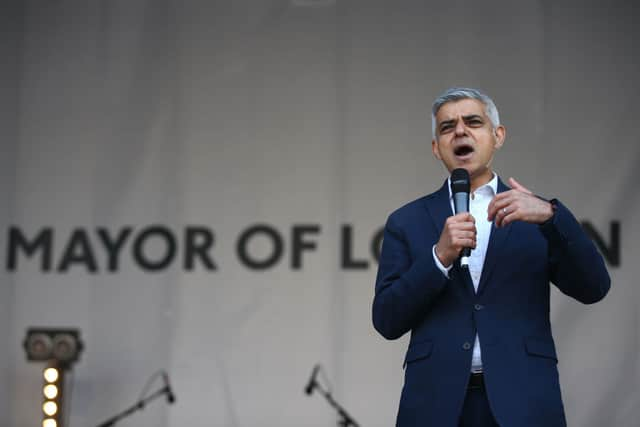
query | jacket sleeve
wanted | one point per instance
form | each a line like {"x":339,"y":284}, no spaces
{"x":576,"y":266}
{"x":405,"y":285}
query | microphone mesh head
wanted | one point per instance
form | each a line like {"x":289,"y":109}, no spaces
{"x":460,"y":181}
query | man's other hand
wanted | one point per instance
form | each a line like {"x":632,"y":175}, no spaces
{"x":518,"y":204}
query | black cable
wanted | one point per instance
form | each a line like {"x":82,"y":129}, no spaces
{"x":325,"y":377}
{"x":149,"y":382}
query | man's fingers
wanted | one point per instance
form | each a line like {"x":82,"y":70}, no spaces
{"x":465,"y":243}
{"x":461,"y":226}
{"x":507,"y":219}
{"x":462,"y":217}
{"x":465,"y":226}
{"x":465,"y":234}
{"x":500,"y":211}
{"x":496,"y":205}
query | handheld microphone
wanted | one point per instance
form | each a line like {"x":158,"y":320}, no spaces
{"x":311,"y":385}
{"x":167,"y":388}
{"x":460,"y":189}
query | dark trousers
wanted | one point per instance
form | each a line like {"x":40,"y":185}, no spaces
{"x":476,"y":411}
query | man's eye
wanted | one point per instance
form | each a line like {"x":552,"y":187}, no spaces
{"x":445,"y":128}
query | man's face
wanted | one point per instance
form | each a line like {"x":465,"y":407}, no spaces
{"x":465,"y":138}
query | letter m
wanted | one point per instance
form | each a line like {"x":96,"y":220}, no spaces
{"x":18,"y":242}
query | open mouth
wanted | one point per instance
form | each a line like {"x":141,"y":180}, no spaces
{"x":463,"y":150}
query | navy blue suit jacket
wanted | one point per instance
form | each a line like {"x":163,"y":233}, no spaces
{"x":510,"y":313}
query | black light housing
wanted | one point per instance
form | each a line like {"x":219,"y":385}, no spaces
{"x":46,"y":344}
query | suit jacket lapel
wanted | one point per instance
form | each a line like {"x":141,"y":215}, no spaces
{"x":438,"y":205}
{"x":497,"y":240}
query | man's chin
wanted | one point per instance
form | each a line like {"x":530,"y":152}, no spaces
{"x":468,"y":165}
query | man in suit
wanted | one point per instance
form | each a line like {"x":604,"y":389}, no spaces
{"x":481,"y":351}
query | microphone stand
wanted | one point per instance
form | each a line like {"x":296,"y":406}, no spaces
{"x":345,"y":419}
{"x":136,"y":407}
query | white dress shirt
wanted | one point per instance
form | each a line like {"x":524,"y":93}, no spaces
{"x":478,"y":204}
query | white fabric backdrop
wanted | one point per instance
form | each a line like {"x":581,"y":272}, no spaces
{"x":228,"y":114}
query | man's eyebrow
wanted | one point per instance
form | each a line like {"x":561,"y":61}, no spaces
{"x":446,"y":122}
{"x":471,"y":117}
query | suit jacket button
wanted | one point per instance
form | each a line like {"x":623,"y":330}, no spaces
{"x":478,"y":307}
{"x":466,"y":346}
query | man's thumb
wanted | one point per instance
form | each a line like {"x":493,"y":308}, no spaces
{"x":517,"y":186}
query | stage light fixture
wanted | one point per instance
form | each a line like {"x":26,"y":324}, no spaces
{"x":50,"y":408}
{"x":65,"y":347}
{"x":50,"y":391}
{"x":62,"y":345}
{"x":60,"y":349}
{"x":51,"y":375}
{"x":38,"y":346}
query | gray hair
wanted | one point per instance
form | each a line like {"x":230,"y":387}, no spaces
{"x":459,"y":93}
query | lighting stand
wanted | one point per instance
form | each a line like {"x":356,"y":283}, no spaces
{"x":136,"y":407}
{"x":345,"y":419}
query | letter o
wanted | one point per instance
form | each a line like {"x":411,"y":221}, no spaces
{"x":138,"y":248}
{"x":271,"y":260}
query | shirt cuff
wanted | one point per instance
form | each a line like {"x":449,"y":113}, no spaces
{"x":445,"y":270}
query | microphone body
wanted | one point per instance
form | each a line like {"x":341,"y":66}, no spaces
{"x":171,"y":398}
{"x":312,"y":381}
{"x":460,"y":189}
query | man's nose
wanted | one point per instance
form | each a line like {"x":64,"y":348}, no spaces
{"x":460,"y":128}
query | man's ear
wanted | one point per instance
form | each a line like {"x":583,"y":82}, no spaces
{"x":435,"y":149}
{"x":500,"y":132}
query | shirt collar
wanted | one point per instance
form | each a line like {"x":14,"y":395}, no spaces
{"x":489,"y":186}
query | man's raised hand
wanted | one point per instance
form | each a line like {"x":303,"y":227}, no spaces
{"x":518,"y":204}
